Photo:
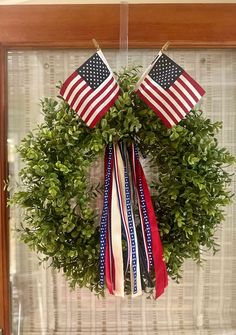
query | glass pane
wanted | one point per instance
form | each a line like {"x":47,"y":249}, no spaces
{"x":42,"y":303}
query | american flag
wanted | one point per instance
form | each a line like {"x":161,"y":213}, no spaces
{"x":169,"y":90}
{"x":91,"y":90}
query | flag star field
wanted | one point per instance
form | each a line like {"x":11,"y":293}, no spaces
{"x":94,"y":71}
{"x":165,"y":72}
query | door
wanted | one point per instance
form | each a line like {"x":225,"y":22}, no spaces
{"x":40,"y":300}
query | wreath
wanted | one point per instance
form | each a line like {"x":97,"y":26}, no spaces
{"x":59,"y":217}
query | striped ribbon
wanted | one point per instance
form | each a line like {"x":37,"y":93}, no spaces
{"x":117,"y":219}
{"x":105,"y":212}
{"x":145,"y":224}
{"x":118,"y":222}
{"x":157,"y":251}
{"x":121,"y":201}
{"x":135,"y":268}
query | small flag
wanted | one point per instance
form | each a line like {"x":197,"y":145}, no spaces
{"x":91,"y":90}
{"x":169,"y":90}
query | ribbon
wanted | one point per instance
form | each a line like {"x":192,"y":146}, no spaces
{"x":144,"y":249}
{"x":157,"y":251}
{"x":135,"y":275}
{"x":121,"y":200}
{"x":116,"y":225}
{"x":105,"y":212}
{"x":142,"y":209}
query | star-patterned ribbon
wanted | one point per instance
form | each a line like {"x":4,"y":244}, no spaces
{"x":118,"y":224}
{"x":151,"y":227}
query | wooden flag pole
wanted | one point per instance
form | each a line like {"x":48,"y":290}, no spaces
{"x":165,"y":46}
{"x":95,"y":43}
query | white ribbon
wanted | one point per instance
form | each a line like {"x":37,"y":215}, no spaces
{"x":116,"y":237}
{"x":121,"y":172}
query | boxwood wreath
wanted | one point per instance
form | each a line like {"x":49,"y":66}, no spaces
{"x":59,"y":220}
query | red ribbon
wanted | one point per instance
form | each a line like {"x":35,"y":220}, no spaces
{"x":108,"y":252}
{"x":156,"y":246}
{"x":109,"y":266}
{"x":157,"y":251}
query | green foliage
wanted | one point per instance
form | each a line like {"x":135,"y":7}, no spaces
{"x":189,"y":197}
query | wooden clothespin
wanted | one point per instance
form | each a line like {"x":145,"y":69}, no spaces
{"x":95,"y":43}
{"x":165,"y":46}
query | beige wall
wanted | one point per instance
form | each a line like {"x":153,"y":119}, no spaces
{"x":13,"y":2}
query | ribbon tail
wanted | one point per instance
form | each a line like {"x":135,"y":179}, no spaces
{"x":109,"y":263}
{"x":145,"y":226}
{"x":135,"y":274}
{"x":116,"y":234}
{"x":157,"y":251}
{"x":145,"y":277}
{"x":151,"y":226}
{"x":108,"y":162}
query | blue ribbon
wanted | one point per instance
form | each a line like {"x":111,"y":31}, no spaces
{"x":105,"y":213}
{"x":144,"y":211}
{"x":131,"y":223}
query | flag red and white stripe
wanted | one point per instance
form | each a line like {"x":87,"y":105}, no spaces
{"x":91,"y":90}
{"x":169,"y":90}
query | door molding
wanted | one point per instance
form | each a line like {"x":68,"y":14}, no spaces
{"x":4,"y":231}
{"x":150,"y":26}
